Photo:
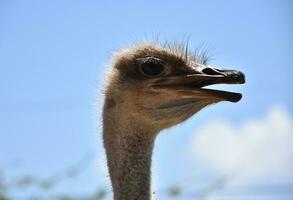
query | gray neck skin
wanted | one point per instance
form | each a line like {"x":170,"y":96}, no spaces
{"x":129,"y":151}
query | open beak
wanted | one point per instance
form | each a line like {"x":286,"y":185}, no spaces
{"x":191,"y":85}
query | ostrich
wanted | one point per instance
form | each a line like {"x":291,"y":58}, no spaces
{"x":152,"y":87}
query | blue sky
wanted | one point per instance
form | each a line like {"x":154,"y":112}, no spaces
{"x":54,"y":55}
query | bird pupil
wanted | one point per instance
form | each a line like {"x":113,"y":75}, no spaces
{"x":152,"y":67}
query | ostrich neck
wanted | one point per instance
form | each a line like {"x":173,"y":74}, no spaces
{"x":129,"y":150}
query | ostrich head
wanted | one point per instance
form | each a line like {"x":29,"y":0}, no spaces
{"x":163,"y":86}
{"x":151,"y":88}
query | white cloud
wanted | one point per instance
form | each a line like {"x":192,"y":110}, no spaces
{"x":256,"y":148}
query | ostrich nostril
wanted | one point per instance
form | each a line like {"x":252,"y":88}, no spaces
{"x":210,"y":71}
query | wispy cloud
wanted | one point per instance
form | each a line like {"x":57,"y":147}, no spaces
{"x":257,"y":148}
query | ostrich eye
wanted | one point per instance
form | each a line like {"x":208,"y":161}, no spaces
{"x":151,"y":66}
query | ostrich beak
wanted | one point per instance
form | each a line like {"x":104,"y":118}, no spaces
{"x":191,"y":85}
